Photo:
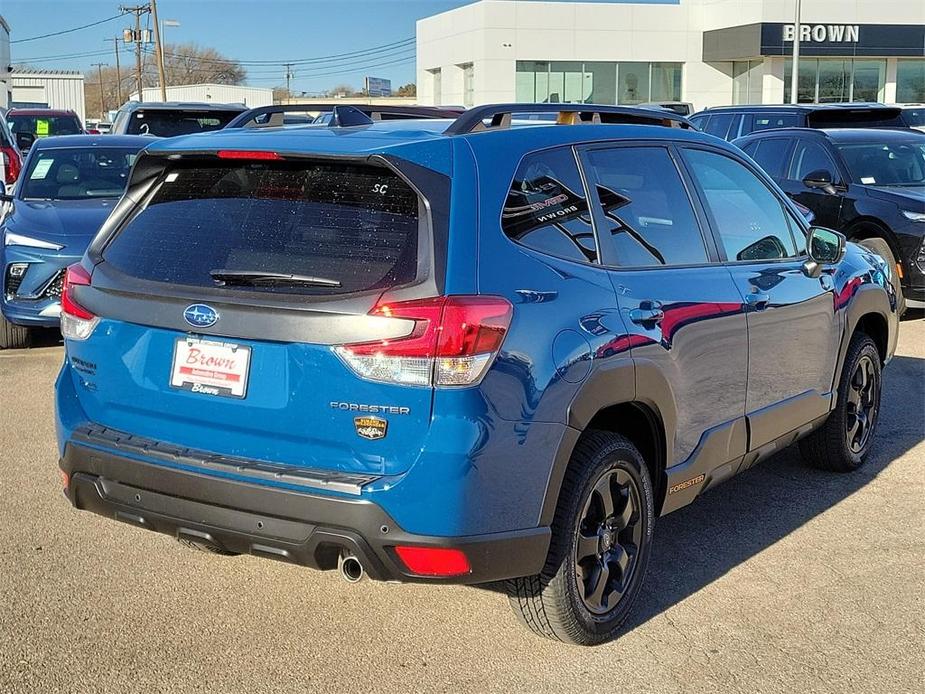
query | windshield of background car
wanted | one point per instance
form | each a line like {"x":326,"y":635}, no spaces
{"x":354,"y":224}
{"x":170,"y":123}
{"x":44,"y":126}
{"x":878,"y":164}
{"x":77,"y":173}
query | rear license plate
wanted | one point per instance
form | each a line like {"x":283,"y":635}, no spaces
{"x":209,"y":367}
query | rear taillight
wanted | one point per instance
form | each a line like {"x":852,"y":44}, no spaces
{"x":12,"y":164}
{"x":452,"y":343}
{"x":77,"y":323}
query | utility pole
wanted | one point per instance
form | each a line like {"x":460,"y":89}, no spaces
{"x":138,"y":38}
{"x":159,"y":51}
{"x":289,"y":77}
{"x":99,"y":67}
{"x":115,"y":41}
{"x":795,"y":64}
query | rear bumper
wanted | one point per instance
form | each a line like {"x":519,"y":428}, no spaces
{"x":306,"y":529}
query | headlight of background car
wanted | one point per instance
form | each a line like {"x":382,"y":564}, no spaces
{"x":11,"y":239}
{"x":914,"y":216}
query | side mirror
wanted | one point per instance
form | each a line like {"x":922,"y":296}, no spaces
{"x":821,"y":180}
{"x":24,"y":141}
{"x":824,"y":247}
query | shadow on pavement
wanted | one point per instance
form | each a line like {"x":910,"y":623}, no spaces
{"x":698,"y":544}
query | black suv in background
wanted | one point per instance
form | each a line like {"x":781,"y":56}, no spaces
{"x":730,"y":122}
{"x":172,"y":118}
{"x":867,"y":184}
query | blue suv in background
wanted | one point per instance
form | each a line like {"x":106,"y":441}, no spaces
{"x":491,"y":350}
{"x":69,"y":185}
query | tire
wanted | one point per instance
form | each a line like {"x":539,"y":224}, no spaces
{"x":882,"y":248}
{"x":844,"y":441}
{"x":560,"y":602}
{"x":13,"y":336}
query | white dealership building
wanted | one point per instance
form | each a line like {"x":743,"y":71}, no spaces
{"x":709,"y":52}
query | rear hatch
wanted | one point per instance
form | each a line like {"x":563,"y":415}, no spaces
{"x":222,"y":304}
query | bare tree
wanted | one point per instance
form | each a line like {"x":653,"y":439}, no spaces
{"x":183,"y":64}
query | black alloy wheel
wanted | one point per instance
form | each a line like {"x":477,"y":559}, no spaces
{"x":863,"y":404}
{"x":609,"y":535}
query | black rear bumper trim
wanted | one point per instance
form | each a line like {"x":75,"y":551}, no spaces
{"x":301,"y":528}
{"x":347,"y":483}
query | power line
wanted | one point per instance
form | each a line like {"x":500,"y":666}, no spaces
{"x":343,"y":72}
{"x":288,"y":67}
{"x":45,"y":58}
{"x":395,"y":45}
{"x":66,"y":31}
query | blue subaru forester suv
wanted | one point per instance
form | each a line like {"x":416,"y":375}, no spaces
{"x":485,"y":351}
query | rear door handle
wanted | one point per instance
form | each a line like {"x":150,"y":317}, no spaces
{"x":758,"y":301}
{"x":648,"y":312}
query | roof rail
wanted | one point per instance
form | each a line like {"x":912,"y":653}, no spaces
{"x":273,"y":116}
{"x":500,"y":116}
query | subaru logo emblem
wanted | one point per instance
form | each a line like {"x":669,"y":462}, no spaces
{"x":200,"y":316}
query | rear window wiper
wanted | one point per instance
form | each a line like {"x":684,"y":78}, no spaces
{"x":260,"y":277}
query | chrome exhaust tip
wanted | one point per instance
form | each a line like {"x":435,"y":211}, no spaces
{"x":351,"y":570}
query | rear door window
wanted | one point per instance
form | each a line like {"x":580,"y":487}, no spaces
{"x":644,"y":208}
{"x":546,"y":208}
{"x":767,"y":121}
{"x":719,"y":124}
{"x":353,"y":226}
{"x":811,"y":156}
{"x":771,"y":154}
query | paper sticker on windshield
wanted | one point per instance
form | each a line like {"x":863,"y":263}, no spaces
{"x":41,"y":169}
{"x":42,"y":127}
{"x":868,"y":180}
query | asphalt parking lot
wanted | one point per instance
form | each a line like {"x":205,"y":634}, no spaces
{"x":783,"y":580}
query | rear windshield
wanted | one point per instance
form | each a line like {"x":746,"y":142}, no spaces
{"x":167,"y":123}
{"x":77,"y":173}
{"x":43,"y":126}
{"x":356,"y":225}
{"x":873,"y":118}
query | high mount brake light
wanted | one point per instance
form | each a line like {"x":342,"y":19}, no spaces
{"x":77,"y":323}
{"x":452,"y":342}
{"x":246,"y":154}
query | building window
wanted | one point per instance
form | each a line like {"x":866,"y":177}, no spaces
{"x":832,"y":80}
{"x":468,"y":71}
{"x":437,"y":81}
{"x":747,"y":78}
{"x":910,"y":81}
{"x":597,"y":82}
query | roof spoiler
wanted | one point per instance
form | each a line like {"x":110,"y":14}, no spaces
{"x":497,"y":116}
{"x":348,"y":116}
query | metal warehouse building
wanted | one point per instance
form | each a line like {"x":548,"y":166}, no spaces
{"x":62,"y":89}
{"x":213,"y":93}
{"x":709,"y":52}
{"x":5,"y":65}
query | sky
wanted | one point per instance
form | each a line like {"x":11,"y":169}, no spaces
{"x":269,"y":31}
